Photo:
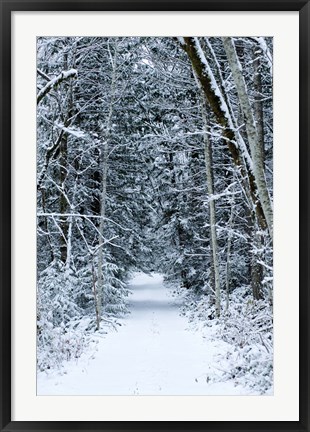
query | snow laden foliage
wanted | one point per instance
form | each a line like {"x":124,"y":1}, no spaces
{"x":246,"y":327}
{"x":155,"y":155}
{"x":56,"y":309}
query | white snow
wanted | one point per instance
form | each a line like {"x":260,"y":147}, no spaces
{"x":63,"y":75}
{"x":75,"y":132}
{"x":152,"y":353}
{"x":268,"y":56}
{"x":240,"y":142}
{"x":181,"y":40}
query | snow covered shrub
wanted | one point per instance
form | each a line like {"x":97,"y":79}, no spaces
{"x":56,"y":309}
{"x":248,"y":325}
{"x":247,"y":331}
{"x":84,"y":293}
{"x":57,"y":345}
{"x":56,"y":294}
{"x":115,"y":290}
{"x":247,"y":321}
{"x":253,"y":367}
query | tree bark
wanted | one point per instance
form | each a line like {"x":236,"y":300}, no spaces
{"x":106,"y":130}
{"x":253,"y":138}
{"x":217,"y":103}
{"x":64,"y":75}
{"x":256,"y":267}
{"x":258,"y":106}
{"x":63,"y":167}
{"x":62,"y":199}
{"x":229,"y":243}
{"x":208,"y":166}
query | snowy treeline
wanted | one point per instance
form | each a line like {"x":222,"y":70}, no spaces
{"x":154,"y":154}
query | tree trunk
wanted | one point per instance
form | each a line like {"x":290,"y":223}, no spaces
{"x":258,"y":106}
{"x":104,"y":164}
{"x":46,"y":225}
{"x":70,"y":226}
{"x":96,"y":299}
{"x":63,"y":205}
{"x":253,"y":138}
{"x":257,"y":272}
{"x":106,"y":130}
{"x":63,"y":163}
{"x":229,"y":243}
{"x":256,"y":267}
{"x":208,"y":165}
{"x":221,"y":112}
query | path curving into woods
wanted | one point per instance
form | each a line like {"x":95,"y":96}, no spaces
{"x":152,"y":353}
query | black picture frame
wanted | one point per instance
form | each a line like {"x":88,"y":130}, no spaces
{"x":7,"y":7}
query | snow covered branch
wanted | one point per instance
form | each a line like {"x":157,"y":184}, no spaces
{"x":64,"y":75}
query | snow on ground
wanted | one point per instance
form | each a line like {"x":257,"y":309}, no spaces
{"x":152,"y":353}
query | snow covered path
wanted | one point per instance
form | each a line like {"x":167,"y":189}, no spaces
{"x":152,"y":353}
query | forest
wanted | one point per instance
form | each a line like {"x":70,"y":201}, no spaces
{"x":155,"y":156}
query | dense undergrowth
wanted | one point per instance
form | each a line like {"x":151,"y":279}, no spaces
{"x":246,"y":328}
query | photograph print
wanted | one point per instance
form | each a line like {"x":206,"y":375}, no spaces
{"x":154,"y":216}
